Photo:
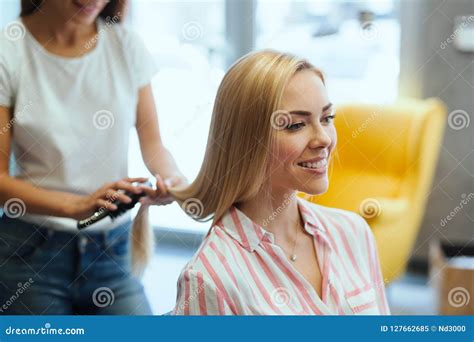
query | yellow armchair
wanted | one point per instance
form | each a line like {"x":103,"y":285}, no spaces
{"x":383,"y":169}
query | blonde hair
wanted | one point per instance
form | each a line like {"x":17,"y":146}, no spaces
{"x":142,"y":241}
{"x":236,"y":164}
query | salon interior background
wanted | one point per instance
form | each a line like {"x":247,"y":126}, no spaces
{"x":406,"y":52}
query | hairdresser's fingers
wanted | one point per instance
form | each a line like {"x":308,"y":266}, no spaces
{"x":146,"y":201}
{"x":165,"y":199}
{"x":150,"y":192}
{"x":110,"y":195}
{"x":102,"y":190}
{"x":113,"y":195}
{"x":135,"y":179}
{"x":160,"y":186}
{"x":158,"y":201}
{"x":101,"y":203}
{"x":101,"y":193}
{"x":174,"y":181}
{"x":159,"y":196}
{"x":124,"y":185}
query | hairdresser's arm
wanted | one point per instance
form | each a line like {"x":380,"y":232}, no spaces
{"x":157,"y":158}
{"x":45,"y":202}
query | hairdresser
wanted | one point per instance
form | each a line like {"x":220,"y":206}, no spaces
{"x":73,"y":82}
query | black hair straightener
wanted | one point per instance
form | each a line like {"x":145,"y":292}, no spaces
{"x":121,"y":208}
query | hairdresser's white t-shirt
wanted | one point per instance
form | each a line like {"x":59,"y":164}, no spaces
{"x":72,"y":116}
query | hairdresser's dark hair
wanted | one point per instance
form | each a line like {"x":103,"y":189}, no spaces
{"x":114,"y":9}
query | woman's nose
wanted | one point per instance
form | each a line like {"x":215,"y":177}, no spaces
{"x":320,"y":138}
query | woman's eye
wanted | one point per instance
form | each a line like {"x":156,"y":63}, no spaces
{"x":295,"y":126}
{"x":329,"y":118}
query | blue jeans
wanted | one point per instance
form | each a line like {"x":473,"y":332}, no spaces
{"x":49,"y":272}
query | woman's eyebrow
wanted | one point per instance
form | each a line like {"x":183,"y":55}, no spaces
{"x":326,"y":107}
{"x":306,"y":113}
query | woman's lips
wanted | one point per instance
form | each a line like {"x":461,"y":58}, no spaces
{"x":319,"y":167}
{"x":87,"y":9}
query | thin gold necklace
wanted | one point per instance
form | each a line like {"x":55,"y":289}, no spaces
{"x":293,"y":256}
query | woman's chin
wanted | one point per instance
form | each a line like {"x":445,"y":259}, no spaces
{"x":84,"y":19}
{"x":315,"y":187}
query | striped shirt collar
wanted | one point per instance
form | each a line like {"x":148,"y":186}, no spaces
{"x":249,"y":234}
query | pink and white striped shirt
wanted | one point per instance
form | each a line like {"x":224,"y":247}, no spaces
{"x":239,"y":270}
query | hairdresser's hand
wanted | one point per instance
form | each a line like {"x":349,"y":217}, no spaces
{"x":160,"y":195}
{"x":81,"y":207}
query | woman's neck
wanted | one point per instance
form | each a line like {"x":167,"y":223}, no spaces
{"x":58,"y":30}
{"x":276,"y":212}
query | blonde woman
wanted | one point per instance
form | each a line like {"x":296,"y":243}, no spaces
{"x":270,"y":252}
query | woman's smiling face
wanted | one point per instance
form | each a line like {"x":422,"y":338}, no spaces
{"x":303,"y":145}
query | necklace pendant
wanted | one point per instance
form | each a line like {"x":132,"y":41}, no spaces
{"x":293,"y":257}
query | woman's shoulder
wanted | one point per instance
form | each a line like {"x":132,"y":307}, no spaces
{"x":215,"y":245}
{"x":12,"y":43}
{"x":212,"y":254}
